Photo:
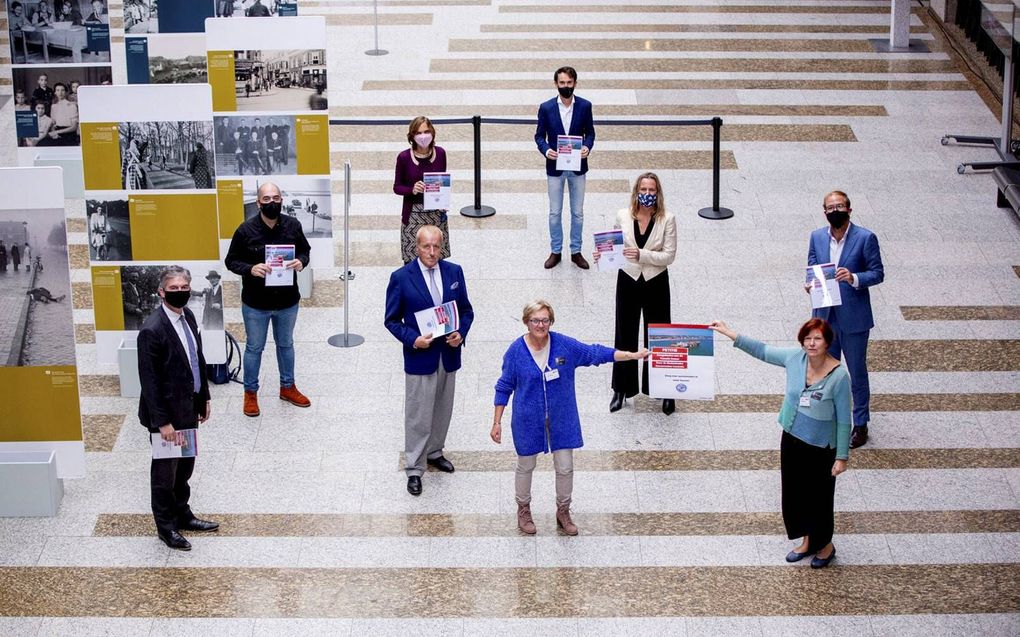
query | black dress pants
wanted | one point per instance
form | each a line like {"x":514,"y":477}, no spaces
{"x":171,"y":492}
{"x":634,"y":298}
{"x":809,"y":490}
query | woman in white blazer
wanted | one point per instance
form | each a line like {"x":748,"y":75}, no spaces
{"x":642,"y":285}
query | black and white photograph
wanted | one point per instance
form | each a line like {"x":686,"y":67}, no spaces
{"x":255,"y":8}
{"x":255,"y":145}
{"x":178,"y":59}
{"x":139,"y":285}
{"x":284,"y":80}
{"x":307,"y":199}
{"x":109,"y":228}
{"x":36,"y":327}
{"x":141,"y":16}
{"x":46,"y":102}
{"x":59,"y":31}
{"x":167,"y":155}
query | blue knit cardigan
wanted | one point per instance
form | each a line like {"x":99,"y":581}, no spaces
{"x":534,"y":396}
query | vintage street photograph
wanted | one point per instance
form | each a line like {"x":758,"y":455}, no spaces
{"x":109,"y":228}
{"x":35,"y":306}
{"x":177,"y":59}
{"x":255,"y":8}
{"x":307,"y":199}
{"x":285,"y":80}
{"x":255,"y":145}
{"x":167,"y":155}
{"x":141,"y":16}
{"x":139,"y":285}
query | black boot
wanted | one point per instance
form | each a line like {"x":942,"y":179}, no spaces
{"x":616,"y":404}
{"x":668,"y":406}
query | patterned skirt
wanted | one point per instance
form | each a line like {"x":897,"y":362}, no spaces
{"x":409,"y":231}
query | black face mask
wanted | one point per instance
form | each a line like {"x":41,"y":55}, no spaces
{"x":271,"y":210}
{"x":838,"y":218}
{"x":178,"y":298}
{"x":566,"y":91}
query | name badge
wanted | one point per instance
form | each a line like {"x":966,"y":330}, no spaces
{"x":805,"y":401}
{"x":817,"y":395}
{"x":552,"y":374}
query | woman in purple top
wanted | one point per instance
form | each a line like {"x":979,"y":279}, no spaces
{"x":422,"y":157}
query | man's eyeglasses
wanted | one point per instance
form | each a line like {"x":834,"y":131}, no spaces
{"x":539,"y":321}
{"x":837,"y":208}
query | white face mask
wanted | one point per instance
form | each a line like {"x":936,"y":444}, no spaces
{"x":423,"y":139}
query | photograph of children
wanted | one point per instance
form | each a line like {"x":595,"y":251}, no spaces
{"x":305,"y":198}
{"x":109,"y":229}
{"x":139,"y":285}
{"x":34,"y":289}
{"x":141,"y":16}
{"x":255,"y":145}
{"x":293,"y":80}
{"x":177,"y":59}
{"x":51,"y":93}
{"x":255,"y":8}
{"x":55,"y":31}
{"x":166,"y":155}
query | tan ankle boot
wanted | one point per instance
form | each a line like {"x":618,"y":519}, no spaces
{"x":251,"y":403}
{"x":524,"y":521}
{"x":563,"y":519}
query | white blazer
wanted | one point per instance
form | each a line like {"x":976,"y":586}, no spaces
{"x":659,"y":250}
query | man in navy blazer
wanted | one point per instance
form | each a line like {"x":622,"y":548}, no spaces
{"x":430,"y":363}
{"x":565,"y":115}
{"x":854,"y":250}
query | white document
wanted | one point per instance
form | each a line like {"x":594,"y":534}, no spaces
{"x":440,"y":320}
{"x":276,"y":257}
{"x":609,"y":245}
{"x":437,"y":191}
{"x":568,"y":152}
{"x":681,"y":365}
{"x":185,"y":445}
{"x":824,"y":286}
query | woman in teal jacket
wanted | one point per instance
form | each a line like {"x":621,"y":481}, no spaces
{"x":538,"y":370}
{"x":815,"y":446}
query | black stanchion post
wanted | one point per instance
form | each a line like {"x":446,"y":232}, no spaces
{"x":478,"y":210}
{"x":715,"y":212}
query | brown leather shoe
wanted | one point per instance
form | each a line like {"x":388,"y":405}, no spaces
{"x":563,"y":519}
{"x":251,"y":403}
{"x":294,"y":397}
{"x":524,"y":520}
{"x":579,"y":260}
{"x":859,"y":437}
{"x":553,"y":260}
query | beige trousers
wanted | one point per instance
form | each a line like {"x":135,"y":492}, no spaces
{"x":563,"y":462}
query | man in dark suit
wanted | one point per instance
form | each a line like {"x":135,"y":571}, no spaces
{"x":854,"y":250}
{"x":175,"y":396}
{"x":212,"y":309}
{"x":430,"y":364}
{"x":565,"y":115}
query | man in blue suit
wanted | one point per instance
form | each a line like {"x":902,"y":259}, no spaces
{"x":854,"y":250}
{"x":565,"y":115}
{"x":430,"y":364}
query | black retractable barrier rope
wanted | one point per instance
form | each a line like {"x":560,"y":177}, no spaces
{"x":478,"y":210}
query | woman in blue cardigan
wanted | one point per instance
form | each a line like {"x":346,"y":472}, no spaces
{"x":815,"y":445}
{"x":538,"y":369}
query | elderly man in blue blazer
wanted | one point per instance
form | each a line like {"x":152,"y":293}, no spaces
{"x":430,"y":362}
{"x":565,"y":115}
{"x":854,"y":250}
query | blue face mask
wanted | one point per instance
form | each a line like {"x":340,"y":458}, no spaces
{"x":647,"y":200}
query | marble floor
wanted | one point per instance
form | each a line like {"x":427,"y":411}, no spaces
{"x":680,"y":526}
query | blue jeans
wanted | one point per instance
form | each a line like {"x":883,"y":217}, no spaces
{"x":256,"y":328}
{"x":575,"y":183}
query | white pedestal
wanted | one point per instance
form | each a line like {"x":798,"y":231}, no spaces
{"x":127,"y":360}
{"x":304,"y":283}
{"x":31,"y":487}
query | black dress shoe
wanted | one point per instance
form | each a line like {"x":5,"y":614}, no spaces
{"x":414,"y":485}
{"x":441,"y":463}
{"x":859,"y":437}
{"x":616,"y":404}
{"x":175,"y":541}
{"x":822,"y":562}
{"x":668,"y":406}
{"x":794,"y":556}
{"x":194,"y":524}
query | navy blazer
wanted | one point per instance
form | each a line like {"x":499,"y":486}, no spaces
{"x":862,"y":257}
{"x":550,"y":126}
{"x":407,"y":294}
